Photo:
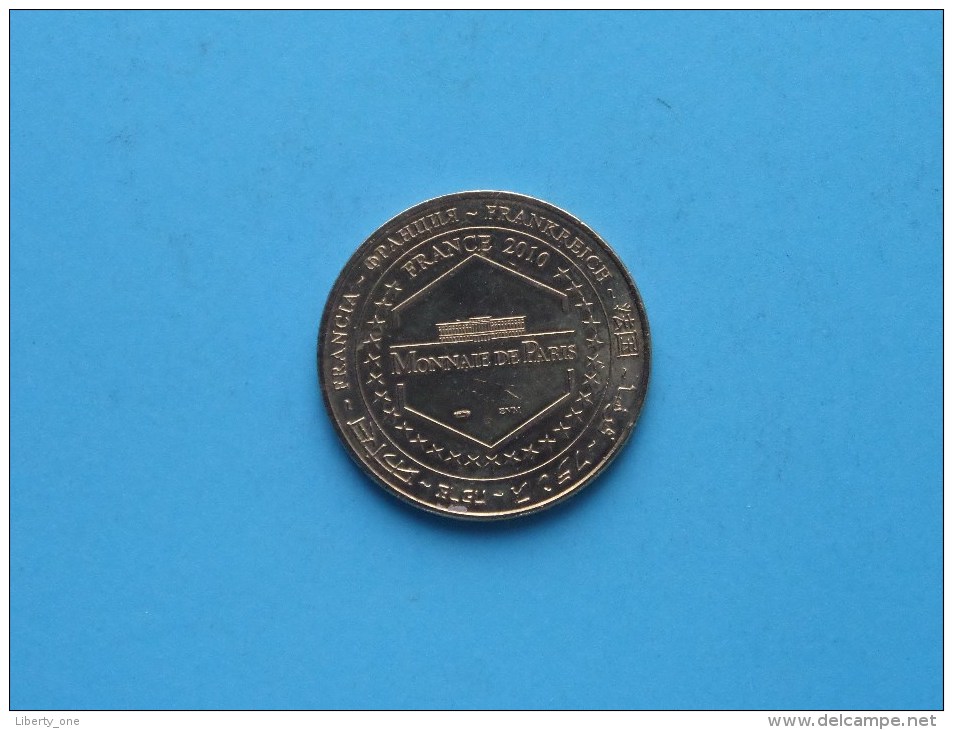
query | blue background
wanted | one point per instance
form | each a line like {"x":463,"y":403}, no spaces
{"x":186,"y":530}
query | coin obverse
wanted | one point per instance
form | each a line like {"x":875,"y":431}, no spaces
{"x":484,"y":355}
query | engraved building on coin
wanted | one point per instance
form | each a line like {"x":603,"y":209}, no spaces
{"x":484,"y":355}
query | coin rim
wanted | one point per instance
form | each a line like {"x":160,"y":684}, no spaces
{"x":617,"y":447}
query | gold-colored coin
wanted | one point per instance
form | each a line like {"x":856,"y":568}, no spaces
{"x":484,"y":355}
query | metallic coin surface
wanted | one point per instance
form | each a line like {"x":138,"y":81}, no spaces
{"x":484,"y":355}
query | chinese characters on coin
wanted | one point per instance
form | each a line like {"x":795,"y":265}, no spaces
{"x":484,"y":355}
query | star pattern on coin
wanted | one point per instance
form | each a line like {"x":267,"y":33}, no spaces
{"x":548,"y":442}
{"x":575,"y":289}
